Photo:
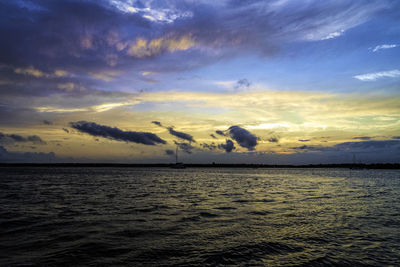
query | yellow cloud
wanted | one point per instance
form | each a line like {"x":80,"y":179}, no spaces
{"x":183,"y":43}
{"x":139,"y":49}
{"x":68,"y":87}
{"x":38,"y":73}
{"x":60,"y":73}
{"x":143,"y":48}
{"x":105,"y":75}
{"x":30,"y":71}
{"x":145,"y":73}
{"x":59,"y":110}
{"x":109,"y":106}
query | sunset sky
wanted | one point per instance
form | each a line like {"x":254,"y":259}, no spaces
{"x":228,"y":81}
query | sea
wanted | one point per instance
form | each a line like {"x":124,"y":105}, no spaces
{"x":94,"y":216}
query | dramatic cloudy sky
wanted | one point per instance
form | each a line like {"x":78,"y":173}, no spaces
{"x":274,"y":82}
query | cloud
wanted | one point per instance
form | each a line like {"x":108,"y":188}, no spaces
{"x":273,"y":139}
{"x":377,"y":75}
{"x":369,"y":146}
{"x":384,"y":46}
{"x":75,"y":35}
{"x":46,"y":122}
{"x":333,"y":35}
{"x":15,"y":138}
{"x":243,"y":137}
{"x":243,"y":83}
{"x":157,"y":123}
{"x":181,"y":135}
{"x":142,"y":48}
{"x":220,"y":133}
{"x":228,"y":146}
{"x":27,"y":157}
{"x":114,"y":133}
{"x":106,"y":76}
{"x":396,"y":137}
{"x":304,"y":140}
{"x":165,"y":15}
{"x":60,"y":73}
{"x":363,"y":138}
{"x":186,"y":147}
{"x":211,"y":146}
{"x":30,"y":71}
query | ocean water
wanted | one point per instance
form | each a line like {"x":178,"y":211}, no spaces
{"x":199,"y":217}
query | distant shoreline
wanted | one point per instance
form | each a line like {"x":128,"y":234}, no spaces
{"x":216,"y":165}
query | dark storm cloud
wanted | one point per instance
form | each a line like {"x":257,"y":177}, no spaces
{"x":114,"y":133}
{"x":365,"y":138}
{"x":186,"y":147}
{"x":396,"y":137}
{"x":220,"y":133}
{"x":273,"y":139}
{"x":157,"y":123}
{"x":228,"y":146}
{"x":15,"y":138}
{"x":211,"y":146}
{"x":243,"y":137}
{"x":181,"y":135}
{"x":169,"y":152}
{"x":46,"y":122}
{"x":243,"y":83}
{"x":33,"y":157}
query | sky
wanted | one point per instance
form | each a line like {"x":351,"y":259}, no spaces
{"x":228,"y":81}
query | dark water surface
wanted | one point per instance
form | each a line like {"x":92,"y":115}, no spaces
{"x":199,"y":217}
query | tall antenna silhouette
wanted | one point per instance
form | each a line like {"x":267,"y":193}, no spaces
{"x":176,"y":154}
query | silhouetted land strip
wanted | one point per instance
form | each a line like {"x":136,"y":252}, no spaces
{"x":216,"y":165}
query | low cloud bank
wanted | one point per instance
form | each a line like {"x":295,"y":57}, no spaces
{"x":15,"y":138}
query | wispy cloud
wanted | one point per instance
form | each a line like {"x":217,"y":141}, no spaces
{"x":333,"y":35}
{"x":384,"y":46}
{"x":161,"y":15}
{"x":377,"y":75}
{"x":31,"y":71}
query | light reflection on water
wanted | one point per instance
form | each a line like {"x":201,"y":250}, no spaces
{"x":199,"y":216}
